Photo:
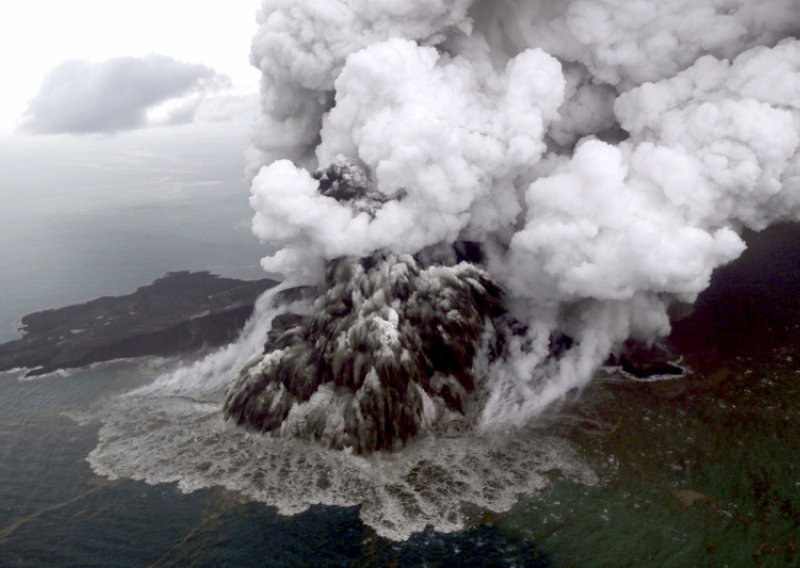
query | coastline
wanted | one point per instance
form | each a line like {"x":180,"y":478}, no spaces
{"x":179,"y":313}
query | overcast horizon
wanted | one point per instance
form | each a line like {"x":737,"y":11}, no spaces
{"x":77,"y":58}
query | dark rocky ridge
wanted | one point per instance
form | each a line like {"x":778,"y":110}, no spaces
{"x":389,"y":344}
{"x":643,"y":361}
{"x":388,"y":347}
{"x":178,"y":313}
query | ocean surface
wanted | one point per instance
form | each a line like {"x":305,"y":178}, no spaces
{"x":54,"y":511}
{"x":702,"y":470}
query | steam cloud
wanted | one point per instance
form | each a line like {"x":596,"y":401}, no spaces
{"x":604,"y":154}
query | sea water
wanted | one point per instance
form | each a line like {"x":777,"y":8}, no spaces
{"x":55,"y":511}
{"x":693,"y":471}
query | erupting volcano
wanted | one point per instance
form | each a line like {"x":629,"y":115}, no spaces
{"x":598,"y":159}
{"x":477,"y":205}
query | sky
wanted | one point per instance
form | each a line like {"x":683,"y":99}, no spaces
{"x":123,"y":129}
{"x":37,"y":36}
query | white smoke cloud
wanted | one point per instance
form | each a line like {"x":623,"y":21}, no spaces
{"x":442,"y":132}
{"x":301,"y":48}
{"x":605,"y":153}
{"x":81,"y":97}
{"x":626,"y":43}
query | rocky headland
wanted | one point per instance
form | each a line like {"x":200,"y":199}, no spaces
{"x":179,"y":313}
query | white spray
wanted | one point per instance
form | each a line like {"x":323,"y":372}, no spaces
{"x":605,"y":153}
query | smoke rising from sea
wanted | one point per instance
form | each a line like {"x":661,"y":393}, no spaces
{"x":522,"y":186}
{"x":604,"y":155}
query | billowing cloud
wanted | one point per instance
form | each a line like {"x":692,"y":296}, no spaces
{"x":605,"y":153}
{"x":82,"y":97}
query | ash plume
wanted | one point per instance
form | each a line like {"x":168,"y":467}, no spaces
{"x":602,"y":155}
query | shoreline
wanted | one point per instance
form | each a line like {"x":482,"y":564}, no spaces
{"x":181,"y":312}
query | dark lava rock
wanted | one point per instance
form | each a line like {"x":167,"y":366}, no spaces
{"x":348,"y":180}
{"x":387,"y":345}
{"x":644,"y":361}
{"x":642,"y":369}
{"x":178,"y":313}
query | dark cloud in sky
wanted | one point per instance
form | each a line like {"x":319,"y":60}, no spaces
{"x":82,"y":97}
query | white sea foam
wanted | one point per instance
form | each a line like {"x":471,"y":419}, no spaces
{"x":161,"y":439}
{"x":173,"y":431}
